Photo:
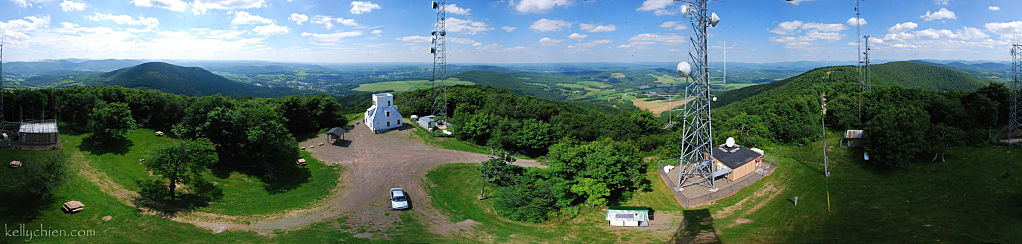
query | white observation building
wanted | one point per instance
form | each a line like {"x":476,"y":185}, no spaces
{"x":383,"y":114}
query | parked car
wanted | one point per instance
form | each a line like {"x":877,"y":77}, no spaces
{"x":398,"y":199}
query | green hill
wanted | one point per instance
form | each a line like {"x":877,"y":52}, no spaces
{"x":190,"y":81}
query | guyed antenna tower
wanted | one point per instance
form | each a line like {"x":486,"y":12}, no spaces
{"x":439,"y":51}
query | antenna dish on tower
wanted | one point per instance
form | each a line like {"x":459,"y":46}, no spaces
{"x":685,"y":10}
{"x":684,"y":69}
{"x":714,"y":19}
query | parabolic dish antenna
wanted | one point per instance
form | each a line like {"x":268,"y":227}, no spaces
{"x":684,"y":69}
{"x":714,"y":19}
{"x":685,"y":10}
{"x":730,"y":142}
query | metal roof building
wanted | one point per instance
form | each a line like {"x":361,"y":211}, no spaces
{"x":42,"y":135}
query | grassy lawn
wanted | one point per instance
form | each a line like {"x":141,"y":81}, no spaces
{"x":449,"y":142}
{"x":243,"y":194}
{"x":406,"y":85}
{"x":454,"y":187}
{"x":969,"y":198}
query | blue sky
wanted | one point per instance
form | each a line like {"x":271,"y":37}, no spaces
{"x":501,"y":31}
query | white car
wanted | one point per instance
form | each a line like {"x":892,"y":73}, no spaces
{"x":398,"y":199}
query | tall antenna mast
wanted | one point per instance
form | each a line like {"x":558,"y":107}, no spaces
{"x":2,"y":40}
{"x":1014,"y":129}
{"x":439,"y":51}
{"x":695,"y":164}
{"x":866,"y":86}
{"x":858,"y":53}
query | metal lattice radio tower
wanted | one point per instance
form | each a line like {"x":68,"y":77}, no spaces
{"x":2,"y":40}
{"x":1014,"y":129}
{"x":695,"y":163}
{"x":439,"y":51}
{"x":866,"y":86}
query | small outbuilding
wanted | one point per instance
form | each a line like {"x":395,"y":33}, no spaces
{"x":301,"y":161}
{"x":427,"y":122}
{"x":383,"y":114}
{"x":38,"y":136}
{"x":628,"y":216}
{"x":735,"y":161}
{"x":853,"y":138}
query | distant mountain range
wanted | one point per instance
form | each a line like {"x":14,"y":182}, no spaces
{"x":190,"y":81}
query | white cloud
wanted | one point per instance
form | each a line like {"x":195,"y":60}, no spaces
{"x":787,"y":27}
{"x":796,"y":2}
{"x":150,"y":22}
{"x":414,"y":39}
{"x":68,"y":6}
{"x":597,"y":27}
{"x":454,"y":9}
{"x":1005,"y":29}
{"x":547,"y":25}
{"x":538,"y":6}
{"x":28,"y":3}
{"x":994,"y":8}
{"x":329,"y":38}
{"x":823,"y":27}
{"x":647,"y":39}
{"x":902,"y":27}
{"x":942,"y":2}
{"x":943,"y":13}
{"x":577,"y":37}
{"x":466,"y":26}
{"x":271,"y":30}
{"x":328,"y":22}
{"x":593,"y":43}
{"x":16,"y":29}
{"x":376,"y":32}
{"x":173,"y":5}
{"x":298,"y":18}
{"x":508,"y":28}
{"x":201,"y":6}
{"x":546,"y":41}
{"x":674,"y":25}
{"x":659,"y":7}
{"x":852,"y":21}
{"x":359,"y":7}
{"x":459,"y":40}
{"x":970,"y":33}
{"x":244,"y":18}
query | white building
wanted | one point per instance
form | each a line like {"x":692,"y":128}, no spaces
{"x":383,"y":114}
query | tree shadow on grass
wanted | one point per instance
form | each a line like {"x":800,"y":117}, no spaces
{"x":97,"y":146}
{"x":156,"y":196}
{"x":285,"y":177}
{"x":697,"y":227}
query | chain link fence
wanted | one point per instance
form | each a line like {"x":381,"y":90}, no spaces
{"x":700,"y":197}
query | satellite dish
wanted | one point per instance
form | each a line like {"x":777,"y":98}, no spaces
{"x":714,"y":19}
{"x":714,"y":99}
{"x":685,"y":10}
{"x":730,"y":142}
{"x":684,"y":69}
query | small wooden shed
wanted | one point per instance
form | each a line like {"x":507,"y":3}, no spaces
{"x":853,"y":138}
{"x":737,"y":161}
{"x":38,"y":136}
{"x":628,"y":216}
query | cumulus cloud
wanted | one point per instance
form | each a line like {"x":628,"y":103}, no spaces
{"x":16,"y":29}
{"x":68,"y":6}
{"x":943,"y":13}
{"x":547,"y":25}
{"x":414,"y":39}
{"x":359,"y":7}
{"x":329,"y":38}
{"x":796,"y":2}
{"x":577,"y":37}
{"x":454,"y":9}
{"x":201,"y":6}
{"x":376,"y":32}
{"x":673,"y":25}
{"x":593,"y":43}
{"x":508,"y":28}
{"x":823,"y":27}
{"x":28,"y":3}
{"x":853,"y":20}
{"x":298,"y":18}
{"x":994,"y":8}
{"x":1005,"y":28}
{"x":271,"y":30}
{"x":647,"y":39}
{"x":538,"y":6}
{"x":244,"y":18}
{"x":597,"y":27}
{"x":546,"y":41}
{"x":328,"y":22}
{"x":466,"y":26}
{"x":902,"y":27}
{"x":173,"y":5}
{"x":150,"y":22}
{"x":659,"y":7}
{"x":787,"y":27}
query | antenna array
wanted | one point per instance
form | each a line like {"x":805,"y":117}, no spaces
{"x":439,"y":51}
{"x":695,"y":164}
{"x":1014,"y":129}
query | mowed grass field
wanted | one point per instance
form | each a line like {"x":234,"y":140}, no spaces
{"x":406,"y":85}
{"x":975,"y":196}
{"x":243,"y":194}
{"x":658,"y":106}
